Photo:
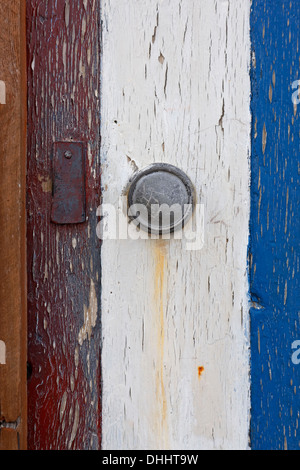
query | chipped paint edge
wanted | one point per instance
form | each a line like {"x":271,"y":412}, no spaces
{"x":2,"y":92}
{"x":2,"y":353}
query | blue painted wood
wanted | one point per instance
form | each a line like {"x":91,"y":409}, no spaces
{"x":275,"y":227}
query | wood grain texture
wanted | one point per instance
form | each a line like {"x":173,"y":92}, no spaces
{"x":12,"y":222}
{"x":275,"y":228}
{"x":63,"y":260}
{"x":176,"y":89}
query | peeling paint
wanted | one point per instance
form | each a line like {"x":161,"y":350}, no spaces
{"x":75,"y":425}
{"x":182,"y":99}
{"x":90,"y":316}
{"x":63,"y":281}
{"x":47,"y":185}
{"x":2,"y":353}
{"x":2,"y":92}
{"x":264,"y":139}
{"x":274,"y":222}
{"x":63,"y":406}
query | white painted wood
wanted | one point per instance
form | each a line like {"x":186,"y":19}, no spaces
{"x":176,"y":89}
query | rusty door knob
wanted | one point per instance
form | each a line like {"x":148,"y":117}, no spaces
{"x":161,"y":199}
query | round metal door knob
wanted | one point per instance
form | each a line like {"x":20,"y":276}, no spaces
{"x":161,"y":199}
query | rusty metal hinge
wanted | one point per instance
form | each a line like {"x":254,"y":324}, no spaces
{"x":69,"y":193}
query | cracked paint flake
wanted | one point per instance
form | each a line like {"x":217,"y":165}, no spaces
{"x":90,"y":316}
{"x":2,"y":353}
{"x":2,"y":92}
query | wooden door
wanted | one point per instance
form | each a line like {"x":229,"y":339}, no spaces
{"x":149,"y":343}
{"x":171,"y":320}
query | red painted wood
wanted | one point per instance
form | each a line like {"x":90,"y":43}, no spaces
{"x":64,"y":275}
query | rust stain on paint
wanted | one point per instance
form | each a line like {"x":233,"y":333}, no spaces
{"x":160,"y":268}
{"x":200,"y":372}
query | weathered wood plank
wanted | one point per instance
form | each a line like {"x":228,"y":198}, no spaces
{"x":176,"y":89}
{"x":63,"y":260}
{"x":12,"y":222}
{"x":275,"y":226}
{"x":9,"y":439}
